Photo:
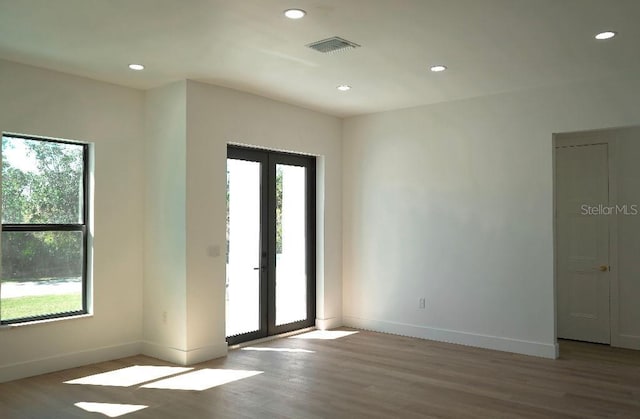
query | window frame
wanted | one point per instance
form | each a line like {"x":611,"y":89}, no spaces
{"x":81,"y":227}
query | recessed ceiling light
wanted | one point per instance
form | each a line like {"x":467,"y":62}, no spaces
{"x":295,"y":13}
{"x":343,"y":87}
{"x":437,"y":68}
{"x":136,"y":67}
{"x":605,"y":35}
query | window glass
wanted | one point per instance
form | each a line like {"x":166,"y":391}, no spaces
{"x":43,"y":271}
{"x":42,"y":182}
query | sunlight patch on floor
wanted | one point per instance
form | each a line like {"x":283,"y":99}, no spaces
{"x":129,"y":376}
{"x":266,"y":349}
{"x":324,"y":334}
{"x":112,"y":410}
{"x":201,"y":380}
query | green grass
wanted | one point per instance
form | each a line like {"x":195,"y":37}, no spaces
{"x":39,"y":305}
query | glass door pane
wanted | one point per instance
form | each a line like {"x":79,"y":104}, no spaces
{"x":243,"y":247}
{"x":291,"y":244}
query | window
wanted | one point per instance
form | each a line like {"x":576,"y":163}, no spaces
{"x":44,"y":229}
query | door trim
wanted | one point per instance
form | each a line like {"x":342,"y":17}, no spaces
{"x":582,"y":139}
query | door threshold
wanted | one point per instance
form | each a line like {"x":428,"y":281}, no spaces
{"x":270,"y":338}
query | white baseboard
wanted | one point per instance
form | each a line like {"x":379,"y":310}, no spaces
{"x":70,"y":360}
{"x":628,"y":342}
{"x":19,"y":370}
{"x":330,"y":323}
{"x":181,"y":356}
{"x":195,"y":356}
{"x":524,"y":347}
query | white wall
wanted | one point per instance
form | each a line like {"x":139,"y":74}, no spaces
{"x":165,"y":269}
{"x":160,"y":211}
{"x":40,"y":102}
{"x":188,"y":127}
{"x":217,"y":116}
{"x":453,"y":202}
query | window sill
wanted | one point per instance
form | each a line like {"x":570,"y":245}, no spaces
{"x":37,"y":322}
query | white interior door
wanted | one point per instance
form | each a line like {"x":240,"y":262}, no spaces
{"x":582,"y":190}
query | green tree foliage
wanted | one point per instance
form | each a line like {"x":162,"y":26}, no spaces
{"x":42,"y":183}
{"x":279,"y":175}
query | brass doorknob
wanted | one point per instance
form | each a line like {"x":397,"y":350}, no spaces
{"x":604,"y":268}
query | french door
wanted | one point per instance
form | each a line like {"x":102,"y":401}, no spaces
{"x":270,"y":243}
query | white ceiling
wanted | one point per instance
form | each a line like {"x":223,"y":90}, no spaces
{"x":489,"y":46}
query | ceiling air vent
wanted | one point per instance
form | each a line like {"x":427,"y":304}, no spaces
{"x":332,"y":45}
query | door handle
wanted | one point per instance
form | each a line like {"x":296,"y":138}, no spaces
{"x":603,"y":268}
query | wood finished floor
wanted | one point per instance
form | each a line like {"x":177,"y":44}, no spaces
{"x":363,"y":375}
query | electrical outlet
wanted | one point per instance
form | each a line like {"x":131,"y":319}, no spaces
{"x":423,"y":302}
{"x":164,"y":317}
